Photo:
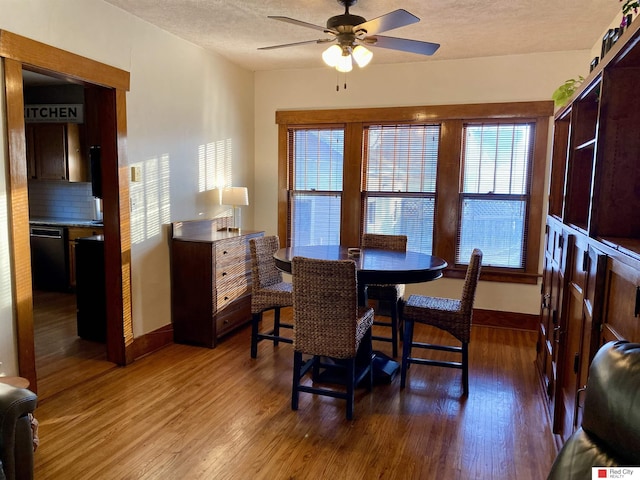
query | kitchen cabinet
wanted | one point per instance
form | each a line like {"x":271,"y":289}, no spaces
{"x":593,"y":200}
{"x":55,"y":151}
{"x":210,"y":281}
{"x":73,"y":233}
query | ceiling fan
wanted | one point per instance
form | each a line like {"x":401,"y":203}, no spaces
{"x":353,"y":33}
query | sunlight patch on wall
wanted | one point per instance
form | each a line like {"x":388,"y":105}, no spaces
{"x":150,"y":200}
{"x":214,"y":165}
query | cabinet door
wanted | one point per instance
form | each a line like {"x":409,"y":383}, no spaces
{"x":50,"y":152}
{"x":77,"y":154}
{"x":622,"y":309}
{"x":595,"y":263}
{"x":580,"y":333}
{"x":553,"y":288}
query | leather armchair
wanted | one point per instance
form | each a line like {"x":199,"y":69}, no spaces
{"x":16,"y":435}
{"x":610,"y":431}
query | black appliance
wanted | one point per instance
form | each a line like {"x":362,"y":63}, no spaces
{"x":91,"y":299}
{"x":49,"y":261}
{"x":96,"y":171}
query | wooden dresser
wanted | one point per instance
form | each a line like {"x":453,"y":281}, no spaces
{"x":210,"y":281}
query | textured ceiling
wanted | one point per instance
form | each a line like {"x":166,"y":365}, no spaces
{"x":473,"y":28}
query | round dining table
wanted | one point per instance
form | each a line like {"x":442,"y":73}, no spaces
{"x":373,"y":266}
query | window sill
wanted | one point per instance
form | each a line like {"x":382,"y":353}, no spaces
{"x":495,"y":275}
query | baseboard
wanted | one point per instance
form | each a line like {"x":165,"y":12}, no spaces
{"x":163,"y":336}
{"x":494,"y":318}
{"x":152,"y":341}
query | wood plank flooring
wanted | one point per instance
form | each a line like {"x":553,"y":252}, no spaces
{"x":194,"y":413}
{"x":63,"y":359}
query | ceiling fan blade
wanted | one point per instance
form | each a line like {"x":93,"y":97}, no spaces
{"x":403,"y":44}
{"x":321,"y":40}
{"x":396,"y":19}
{"x":302,"y":24}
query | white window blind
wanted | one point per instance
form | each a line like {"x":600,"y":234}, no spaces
{"x":316,"y":160}
{"x":400,"y":165}
{"x":495,"y":193}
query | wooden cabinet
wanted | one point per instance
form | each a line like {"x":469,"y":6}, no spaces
{"x":210,"y":282}
{"x":622,"y":300}
{"x":73,"y":233}
{"x":55,"y":151}
{"x":553,"y":287}
{"x":594,"y":295}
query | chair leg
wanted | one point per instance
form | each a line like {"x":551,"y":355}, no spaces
{"x":465,"y":368}
{"x":255,"y":325}
{"x":297,"y":367}
{"x":394,"y":329}
{"x":351,"y":380}
{"x":400,"y":319}
{"x":407,"y":342}
{"x":276,"y":325}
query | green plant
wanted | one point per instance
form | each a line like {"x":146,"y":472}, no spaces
{"x":627,"y":6}
{"x":564,"y":91}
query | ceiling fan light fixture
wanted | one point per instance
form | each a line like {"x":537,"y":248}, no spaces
{"x":332,"y":55}
{"x":344,"y":63}
{"x":362,"y":56}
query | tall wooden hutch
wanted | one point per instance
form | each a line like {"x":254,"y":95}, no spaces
{"x":591,"y":280}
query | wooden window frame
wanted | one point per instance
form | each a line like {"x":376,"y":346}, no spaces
{"x":452,"y":119}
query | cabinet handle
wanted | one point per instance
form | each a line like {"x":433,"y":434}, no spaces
{"x":636,"y":311}
{"x":585,"y":261}
{"x":576,"y":362}
{"x":224,"y":273}
{"x":545,"y":299}
{"x":556,"y":334}
{"x":224,"y":253}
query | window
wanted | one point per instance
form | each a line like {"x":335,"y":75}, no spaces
{"x":495,"y":193}
{"x":400,"y":163}
{"x":316,"y":190}
{"x":450,"y":177}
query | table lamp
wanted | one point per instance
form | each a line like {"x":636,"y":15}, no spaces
{"x":236,"y":197}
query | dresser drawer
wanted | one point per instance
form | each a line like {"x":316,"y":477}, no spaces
{"x":231,"y":291}
{"x":229,"y":251}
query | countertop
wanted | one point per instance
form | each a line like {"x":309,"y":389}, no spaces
{"x":65,"y":222}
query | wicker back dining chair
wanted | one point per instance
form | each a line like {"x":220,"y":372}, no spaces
{"x":453,"y":316}
{"x":268,"y":292}
{"x":390,"y":294}
{"x":329,"y":323}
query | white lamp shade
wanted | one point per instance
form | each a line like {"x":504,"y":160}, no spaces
{"x":235,"y":196}
{"x":362,"y":56}
{"x":332,"y":55}
{"x":344,"y":64}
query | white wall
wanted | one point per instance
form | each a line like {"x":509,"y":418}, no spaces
{"x":181,"y":98}
{"x":481,"y":80}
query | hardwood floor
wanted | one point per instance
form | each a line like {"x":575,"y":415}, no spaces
{"x":63,"y":359}
{"x":194,"y":413}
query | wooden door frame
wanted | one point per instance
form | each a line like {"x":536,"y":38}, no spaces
{"x":18,"y":52}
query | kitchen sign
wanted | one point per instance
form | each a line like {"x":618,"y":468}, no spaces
{"x":54,"y":113}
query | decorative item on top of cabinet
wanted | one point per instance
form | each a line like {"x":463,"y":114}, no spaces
{"x":210,"y":281}
{"x":55,"y":151}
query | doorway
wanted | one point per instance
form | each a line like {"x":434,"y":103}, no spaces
{"x":107,"y":88}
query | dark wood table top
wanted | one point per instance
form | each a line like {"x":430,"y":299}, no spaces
{"x":373,"y":265}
